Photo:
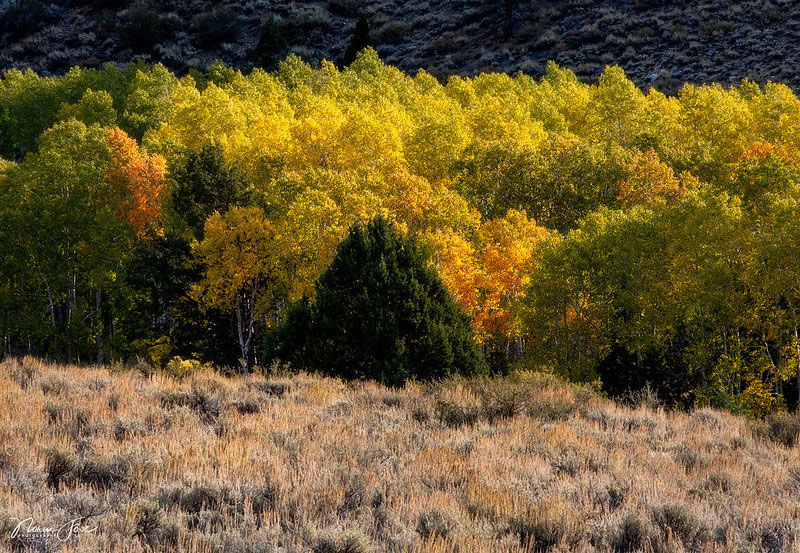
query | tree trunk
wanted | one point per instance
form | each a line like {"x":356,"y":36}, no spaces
{"x":245,"y":315}
{"x":50,"y":304}
{"x":72,"y":292}
{"x":797,"y":360}
{"x":99,"y":315}
{"x":243,"y":342}
{"x":796,"y":351}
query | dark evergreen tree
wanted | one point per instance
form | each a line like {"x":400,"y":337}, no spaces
{"x":508,"y":18}
{"x":358,"y":41}
{"x":204,"y":183}
{"x":207,"y":183}
{"x":271,"y":47}
{"x":158,"y":306}
{"x":380,"y":312}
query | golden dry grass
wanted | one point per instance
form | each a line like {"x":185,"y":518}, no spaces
{"x":304,"y":463}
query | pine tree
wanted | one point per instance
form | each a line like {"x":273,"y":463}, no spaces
{"x":207,"y":183}
{"x":358,"y":41}
{"x":271,"y":46}
{"x":508,"y":18}
{"x":380,"y":312}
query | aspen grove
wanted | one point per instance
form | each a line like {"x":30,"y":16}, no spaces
{"x":589,"y":229}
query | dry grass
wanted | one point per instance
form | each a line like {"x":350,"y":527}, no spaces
{"x":303,"y":463}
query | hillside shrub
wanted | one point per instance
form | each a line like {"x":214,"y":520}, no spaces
{"x":346,"y":542}
{"x":315,"y":22}
{"x":111,"y":4}
{"x":141,"y":30}
{"x":150,"y":522}
{"x":393,"y":32}
{"x":212,"y":28}
{"x":679,"y":521}
{"x":24,"y":375}
{"x":634,"y":533}
{"x":59,"y":465}
{"x":26,"y":17}
{"x":456,"y":414}
{"x":783,"y":428}
{"x":548,"y":524}
{"x":437,"y":522}
{"x":346,"y":8}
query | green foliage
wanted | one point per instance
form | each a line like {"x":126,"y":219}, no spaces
{"x":380,"y":312}
{"x":206,"y":183}
{"x":61,"y":196}
{"x":93,"y":107}
{"x":272,"y":45}
{"x":358,"y":41}
{"x":150,"y":92}
{"x":30,"y":106}
{"x":557,"y":186}
{"x":159,"y":318}
{"x":591,"y":230}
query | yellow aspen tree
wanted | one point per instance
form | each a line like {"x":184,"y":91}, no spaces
{"x":241,"y":270}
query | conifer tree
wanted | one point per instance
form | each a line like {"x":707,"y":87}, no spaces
{"x":207,"y":183}
{"x":381,"y":311}
{"x":271,"y":46}
{"x":358,"y":41}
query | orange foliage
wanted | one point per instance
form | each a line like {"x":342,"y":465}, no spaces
{"x":488,"y":278}
{"x":506,"y":257}
{"x":454,"y":257}
{"x":649,"y":179}
{"x":139,"y":175}
{"x":759,"y":150}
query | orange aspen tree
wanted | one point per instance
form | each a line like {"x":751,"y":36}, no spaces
{"x":140,"y":175}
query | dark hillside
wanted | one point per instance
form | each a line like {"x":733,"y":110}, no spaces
{"x":657,"y":42}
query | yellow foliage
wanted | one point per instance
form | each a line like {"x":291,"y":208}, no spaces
{"x":180,"y":368}
{"x":759,"y":399}
{"x":239,"y":252}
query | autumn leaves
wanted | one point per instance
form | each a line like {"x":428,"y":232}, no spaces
{"x":141,"y":175}
{"x":588,"y":229}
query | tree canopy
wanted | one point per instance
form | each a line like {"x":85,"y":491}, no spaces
{"x":590,"y":229}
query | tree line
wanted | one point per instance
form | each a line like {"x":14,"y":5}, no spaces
{"x":589,"y":229}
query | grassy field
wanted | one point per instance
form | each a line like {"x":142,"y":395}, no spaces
{"x":303,"y":463}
